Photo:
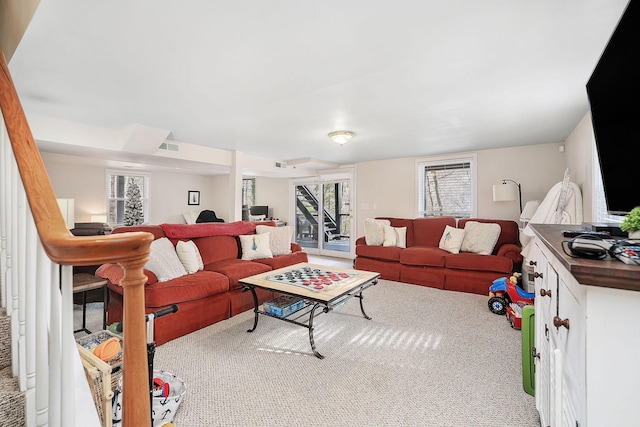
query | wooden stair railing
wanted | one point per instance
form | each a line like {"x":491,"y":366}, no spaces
{"x":130,"y":250}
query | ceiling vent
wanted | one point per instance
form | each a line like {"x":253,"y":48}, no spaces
{"x":281,"y":165}
{"x":170,"y":146}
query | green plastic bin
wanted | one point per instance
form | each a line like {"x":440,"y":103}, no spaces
{"x":528,"y":343}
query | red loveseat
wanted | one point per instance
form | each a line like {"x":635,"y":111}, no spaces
{"x":206,"y":296}
{"x":422,"y":262}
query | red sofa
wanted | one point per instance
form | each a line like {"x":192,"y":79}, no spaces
{"x":422,"y":262}
{"x":206,"y":296}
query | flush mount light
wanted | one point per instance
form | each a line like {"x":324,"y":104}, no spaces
{"x":341,"y":136}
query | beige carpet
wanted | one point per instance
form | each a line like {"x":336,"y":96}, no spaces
{"x":427,"y":358}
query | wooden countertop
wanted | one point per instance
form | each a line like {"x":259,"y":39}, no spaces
{"x":608,"y":272}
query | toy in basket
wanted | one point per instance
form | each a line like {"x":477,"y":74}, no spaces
{"x":166,"y":390}
{"x":103,"y":373}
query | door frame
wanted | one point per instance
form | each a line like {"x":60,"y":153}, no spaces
{"x":321,"y":179}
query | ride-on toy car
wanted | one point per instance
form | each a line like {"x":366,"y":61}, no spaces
{"x":505,"y":291}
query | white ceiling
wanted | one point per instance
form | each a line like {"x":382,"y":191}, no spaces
{"x":411,"y":78}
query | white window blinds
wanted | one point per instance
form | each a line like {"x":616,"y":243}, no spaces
{"x":445,"y":188}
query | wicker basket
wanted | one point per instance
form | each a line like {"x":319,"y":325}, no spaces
{"x":102,"y":378}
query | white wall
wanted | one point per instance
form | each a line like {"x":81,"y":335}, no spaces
{"x":274,"y":192}
{"x":167,"y":191}
{"x":580,"y":147}
{"x":384,"y":188}
{"x":389,"y":187}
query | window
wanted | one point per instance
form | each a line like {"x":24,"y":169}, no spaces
{"x":123,"y":187}
{"x":248,"y":191}
{"x":446,"y":187}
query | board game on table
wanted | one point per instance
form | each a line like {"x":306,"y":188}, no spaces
{"x":322,"y":288}
{"x":315,"y":279}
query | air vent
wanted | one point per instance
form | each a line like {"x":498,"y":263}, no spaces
{"x":281,"y":165}
{"x":170,"y":146}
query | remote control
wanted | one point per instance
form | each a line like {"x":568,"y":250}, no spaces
{"x":574,"y":233}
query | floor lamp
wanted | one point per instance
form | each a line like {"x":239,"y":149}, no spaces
{"x":507,"y":193}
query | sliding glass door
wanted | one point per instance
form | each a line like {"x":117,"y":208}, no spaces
{"x":323,"y":216}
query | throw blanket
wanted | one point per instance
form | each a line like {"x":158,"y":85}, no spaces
{"x":191,"y":231}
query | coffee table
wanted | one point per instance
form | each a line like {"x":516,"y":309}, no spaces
{"x":349,"y":283}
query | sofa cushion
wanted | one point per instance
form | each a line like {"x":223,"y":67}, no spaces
{"x":385,"y":253}
{"x":423,"y":256}
{"x":279,"y":238}
{"x":374,"y":231}
{"x":428,"y":231}
{"x":477,"y":262}
{"x":236,"y":269}
{"x":284,"y":260}
{"x":255,"y":246}
{"x":189,"y":256}
{"x":451,"y":239}
{"x":186,"y":288}
{"x":164,"y":261}
{"x":480,"y":238}
{"x":217,"y":248}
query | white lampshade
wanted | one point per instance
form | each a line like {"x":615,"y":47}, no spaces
{"x":505,"y":193}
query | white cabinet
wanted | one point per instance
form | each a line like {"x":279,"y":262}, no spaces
{"x":586,"y":367}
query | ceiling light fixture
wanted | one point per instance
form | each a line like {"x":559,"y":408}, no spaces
{"x":341,"y":137}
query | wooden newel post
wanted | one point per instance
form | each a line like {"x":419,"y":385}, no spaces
{"x":136,"y":408}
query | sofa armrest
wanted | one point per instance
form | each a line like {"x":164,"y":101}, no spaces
{"x":295,"y":247}
{"x":511,"y":251}
{"x":361,"y":241}
{"x":114,"y":273}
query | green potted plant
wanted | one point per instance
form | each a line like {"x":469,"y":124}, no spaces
{"x":631,"y":223}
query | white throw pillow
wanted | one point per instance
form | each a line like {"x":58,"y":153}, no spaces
{"x":189,"y":256}
{"x":401,"y":237}
{"x":480,"y":237}
{"x":164,"y":261}
{"x":452,"y":238}
{"x":374,"y":231}
{"x":279,"y":238}
{"x":395,"y":236}
{"x":255,"y":246}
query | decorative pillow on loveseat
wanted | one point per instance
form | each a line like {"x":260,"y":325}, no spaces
{"x":279,"y":238}
{"x":189,"y":256}
{"x":395,"y":236}
{"x":480,"y":238}
{"x":374,"y":231}
{"x":452,"y":238}
{"x":255,"y":246}
{"x":164,"y":261}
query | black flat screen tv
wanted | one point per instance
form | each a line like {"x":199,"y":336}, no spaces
{"x":614,"y":97}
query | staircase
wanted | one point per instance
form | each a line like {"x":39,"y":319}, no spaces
{"x":12,"y":401}
{"x":307,"y":203}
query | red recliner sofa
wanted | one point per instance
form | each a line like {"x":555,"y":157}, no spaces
{"x":206,"y":296}
{"x":422,"y":262}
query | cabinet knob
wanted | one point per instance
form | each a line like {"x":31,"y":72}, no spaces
{"x":538,"y":275}
{"x":532,"y":262}
{"x":545,"y":293}
{"x":557,"y":322}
